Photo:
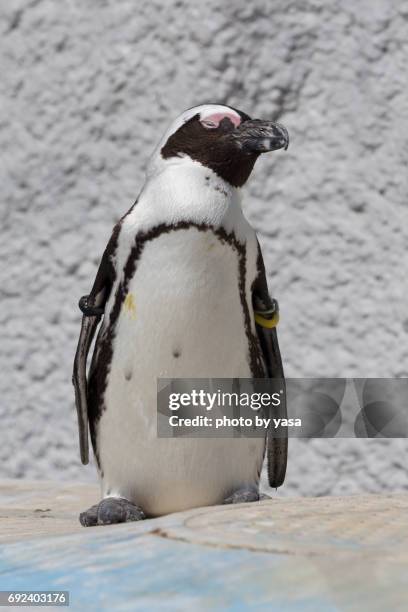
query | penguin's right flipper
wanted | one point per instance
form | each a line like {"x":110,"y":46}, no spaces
{"x":93,"y":307}
{"x":88,"y":328}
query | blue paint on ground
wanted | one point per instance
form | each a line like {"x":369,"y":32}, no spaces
{"x":128,"y":571}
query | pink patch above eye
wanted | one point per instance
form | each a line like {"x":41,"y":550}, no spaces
{"x":213,"y":121}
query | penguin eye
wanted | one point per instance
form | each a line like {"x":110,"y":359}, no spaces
{"x":217,"y":120}
{"x":207,"y":123}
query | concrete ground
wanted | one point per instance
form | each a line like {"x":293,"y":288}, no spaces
{"x":337,"y":553}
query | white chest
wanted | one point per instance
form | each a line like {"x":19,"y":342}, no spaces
{"x":183,"y":314}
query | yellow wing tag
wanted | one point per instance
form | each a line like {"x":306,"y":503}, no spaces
{"x":268,"y":318}
{"x":268,"y":323}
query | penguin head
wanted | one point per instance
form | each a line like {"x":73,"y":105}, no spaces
{"x":221,"y":138}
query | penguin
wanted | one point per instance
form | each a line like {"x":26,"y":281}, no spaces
{"x":180,"y":292}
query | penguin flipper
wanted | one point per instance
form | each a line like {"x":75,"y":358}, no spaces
{"x":88,"y":328}
{"x":93,"y":307}
{"x":267,"y":308}
{"x":277,"y":448}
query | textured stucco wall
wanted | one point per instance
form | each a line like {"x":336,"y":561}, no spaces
{"x":88,"y":87}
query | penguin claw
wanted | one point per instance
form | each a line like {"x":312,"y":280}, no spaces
{"x":89,"y":518}
{"x":242,"y":496}
{"x":118,"y":510}
{"x":110,"y":511}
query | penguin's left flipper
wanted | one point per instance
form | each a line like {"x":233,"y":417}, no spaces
{"x":277,"y":447}
{"x":266,"y":317}
{"x":110,"y":511}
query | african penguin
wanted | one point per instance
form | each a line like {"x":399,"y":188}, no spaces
{"x":176,"y":291}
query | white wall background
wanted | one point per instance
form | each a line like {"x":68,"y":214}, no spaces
{"x":87,"y":88}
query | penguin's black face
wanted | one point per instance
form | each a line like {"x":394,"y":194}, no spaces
{"x":227,"y":141}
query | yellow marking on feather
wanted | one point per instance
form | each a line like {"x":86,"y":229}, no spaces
{"x":130,"y":306}
{"x":268,"y":323}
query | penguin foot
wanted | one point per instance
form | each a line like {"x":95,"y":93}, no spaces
{"x":242,"y":496}
{"x":111,"y":510}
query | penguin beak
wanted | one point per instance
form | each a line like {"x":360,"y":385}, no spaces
{"x":258,"y":136}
